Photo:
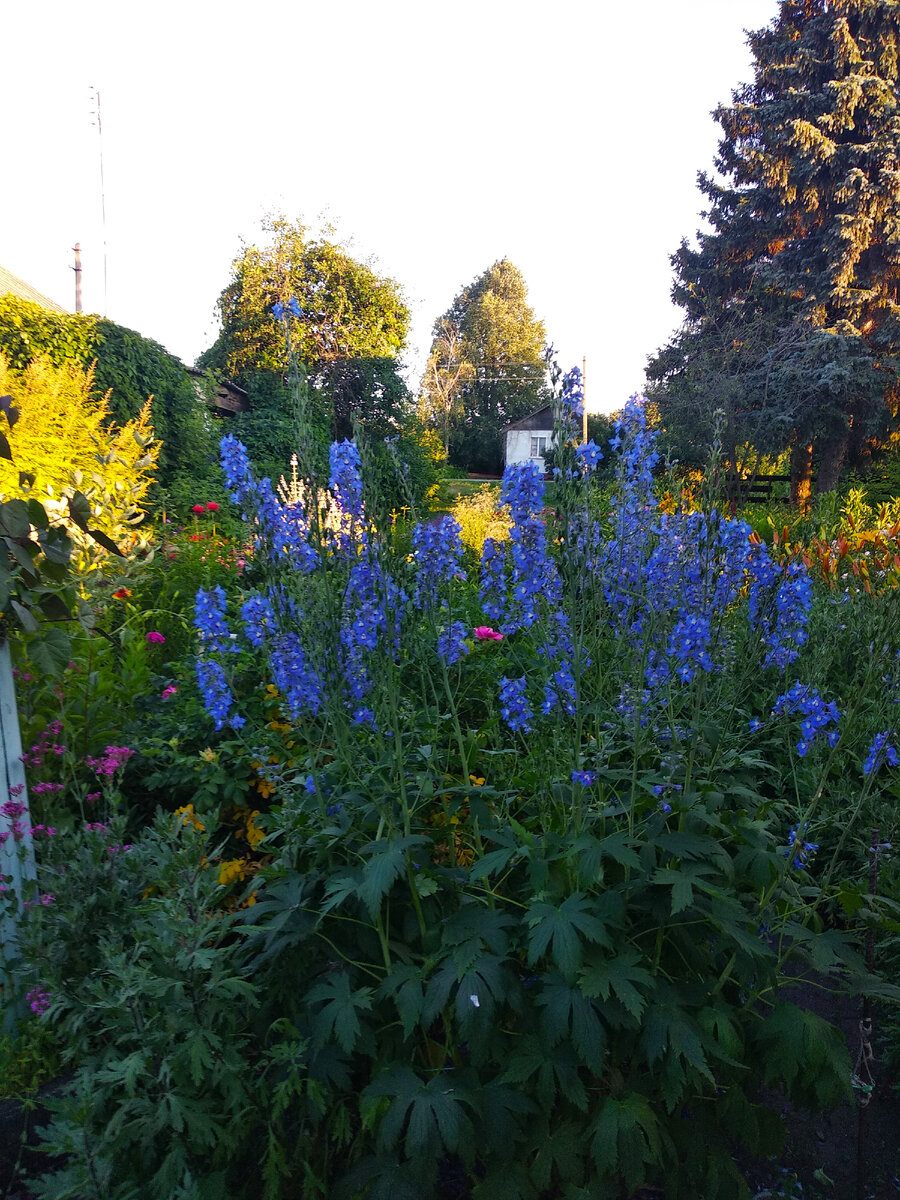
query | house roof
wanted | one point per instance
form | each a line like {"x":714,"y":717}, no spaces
{"x":12,"y":284}
{"x":541,"y":418}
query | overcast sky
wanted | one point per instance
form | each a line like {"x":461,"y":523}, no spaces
{"x":434,"y":138}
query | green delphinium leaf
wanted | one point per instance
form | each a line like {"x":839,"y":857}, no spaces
{"x":620,"y":976}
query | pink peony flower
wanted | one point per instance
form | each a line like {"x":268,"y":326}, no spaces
{"x":484,"y":633}
{"x":155,"y":636}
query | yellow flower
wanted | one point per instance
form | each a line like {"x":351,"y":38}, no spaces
{"x":230,"y":871}
{"x":476,"y":780}
{"x":186,"y":816}
{"x":208,"y":755}
{"x":254,"y":834}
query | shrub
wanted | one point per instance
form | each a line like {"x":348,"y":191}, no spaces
{"x":64,"y":445}
{"x":480,"y":516}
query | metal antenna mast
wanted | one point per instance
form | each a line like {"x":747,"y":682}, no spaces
{"x":96,"y":96}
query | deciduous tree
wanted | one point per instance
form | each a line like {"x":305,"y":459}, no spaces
{"x":486,"y":367}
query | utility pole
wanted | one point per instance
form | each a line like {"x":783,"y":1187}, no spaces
{"x":77,"y":270}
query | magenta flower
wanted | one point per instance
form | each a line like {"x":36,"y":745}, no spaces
{"x":212,"y":506}
{"x":198,"y":509}
{"x":111,"y":761}
{"x":171,"y":690}
{"x":155,"y":636}
{"x":38,"y":1001}
{"x":484,"y":633}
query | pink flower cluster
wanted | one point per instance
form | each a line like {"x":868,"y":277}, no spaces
{"x":39,"y":789}
{"x":201,"y":508}
{"x":46,"y":898}
{"x":96,"y":826}
{"x":44,"y":746}
{"x":38,"y":1001}
{"x":112,"y":760}
{"x":155,"y":636}
{"x":171,"y":690}
{"x":13,"y":810}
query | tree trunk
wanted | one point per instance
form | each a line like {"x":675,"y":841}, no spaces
{"x":831,"y":461}
{"x":801,"y":474}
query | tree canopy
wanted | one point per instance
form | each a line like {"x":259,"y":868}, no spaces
{"x":792,"y":321}
{"x":343,"y":312}
{"x":347,"y":327}
{"x":486,"y":367}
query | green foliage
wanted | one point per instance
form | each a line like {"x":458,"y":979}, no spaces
{"x":28,"y":1059}
{"x":268,"y":429}
{"x":134,"y":368}
{"x":165,"y":1083}
{"x":28,"y":331}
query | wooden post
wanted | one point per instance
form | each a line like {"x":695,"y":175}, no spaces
{"x":16,"y":854}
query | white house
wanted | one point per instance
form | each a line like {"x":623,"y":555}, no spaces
{"x":529,"y":438}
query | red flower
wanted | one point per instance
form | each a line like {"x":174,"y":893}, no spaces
{"x":212,"y":506}
{"x":198,"y":509}
{"x":121,"y":594}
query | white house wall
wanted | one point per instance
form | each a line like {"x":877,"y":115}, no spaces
{"x":518,"y":445}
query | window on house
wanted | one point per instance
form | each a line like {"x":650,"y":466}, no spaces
{"x":538,"y":447}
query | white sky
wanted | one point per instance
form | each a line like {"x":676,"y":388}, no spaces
{"x":436,"y":138}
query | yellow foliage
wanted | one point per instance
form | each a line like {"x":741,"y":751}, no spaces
{"x":64,"y":439}
{"x":481,"y":517}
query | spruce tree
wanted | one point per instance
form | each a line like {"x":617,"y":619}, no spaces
{"x":791,"y":299}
